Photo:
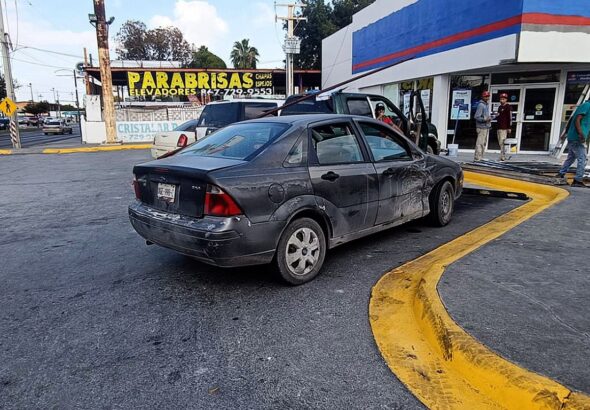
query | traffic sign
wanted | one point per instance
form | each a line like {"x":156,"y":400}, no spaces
{"x":8,"y":106}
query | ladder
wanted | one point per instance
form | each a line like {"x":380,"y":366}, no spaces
{"x":562,"y":142}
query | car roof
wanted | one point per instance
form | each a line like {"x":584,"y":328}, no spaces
{"x":305,"y":119}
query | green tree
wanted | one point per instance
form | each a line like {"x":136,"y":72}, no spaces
{"x":37,"y":108}
{"x":323,"y":19}
{"x":243,"y":55}
{"x":203,"y":58}
{"x":136,"y":42}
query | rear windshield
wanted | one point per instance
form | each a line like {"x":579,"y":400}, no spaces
{"x":54,"y":123}
{"x":311,"y":106}
{"x":187,"y":126}
{"x":238,"y":141}
{"x":219,"y":115}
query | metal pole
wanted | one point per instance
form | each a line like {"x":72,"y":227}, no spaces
{"x":289,"y":55}
{"x":31,"y":87}
{"x":77,"y":103}
{"x":102,"y":38}
{"x":14,"y":131}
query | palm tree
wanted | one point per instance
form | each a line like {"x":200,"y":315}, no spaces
{"x":244,"y":56}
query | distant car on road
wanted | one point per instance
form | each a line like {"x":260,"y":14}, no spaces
{"x":33,"y":121}
{"x":22,"y":121}
{"x":57,"y":127}
{"x":287,"y":189}
{"x":4,"y":123}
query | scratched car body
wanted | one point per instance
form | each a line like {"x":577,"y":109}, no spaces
{"x":285,"y":190}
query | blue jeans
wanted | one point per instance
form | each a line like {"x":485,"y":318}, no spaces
{"x":576,"y":150}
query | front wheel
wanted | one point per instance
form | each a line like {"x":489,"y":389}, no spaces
{"x":442,"y":204}
{"x":301,"y":251}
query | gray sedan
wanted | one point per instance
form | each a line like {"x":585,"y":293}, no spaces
{"x":285,"y":190}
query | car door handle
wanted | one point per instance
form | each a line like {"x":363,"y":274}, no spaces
{"x":389,"y":171}
{"x":330,"y":176}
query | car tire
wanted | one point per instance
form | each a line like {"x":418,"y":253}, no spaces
{"x":442,"y":204}
{"x":301,"y":251}
{"x":429,"y":150}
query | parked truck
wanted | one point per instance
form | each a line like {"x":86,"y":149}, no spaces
{"x":364,"y":104}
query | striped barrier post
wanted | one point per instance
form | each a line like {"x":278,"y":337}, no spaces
{"x":14,"y":137}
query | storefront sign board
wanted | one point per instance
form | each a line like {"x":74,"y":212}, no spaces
{"x":461,"y":105}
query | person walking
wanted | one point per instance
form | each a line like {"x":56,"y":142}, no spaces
{"x":483,"y":123}
{"x":504,"y":119}
{"x":577,"y":137}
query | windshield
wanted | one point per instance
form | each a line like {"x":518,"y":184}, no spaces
{"x":219,"y":115}
{"x":311,"y":106}
{"x":237,"y":141}
{"x":187,"y":126}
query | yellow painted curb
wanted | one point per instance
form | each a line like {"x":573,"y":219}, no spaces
{"x":95,"y":149}
{"x":442,"y":365}
{"x":5,"y":151}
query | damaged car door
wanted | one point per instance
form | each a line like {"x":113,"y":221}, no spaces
{"x":343,"y":179}
{"x":401,"y":173}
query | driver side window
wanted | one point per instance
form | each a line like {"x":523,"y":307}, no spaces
{"x":384,"y":144}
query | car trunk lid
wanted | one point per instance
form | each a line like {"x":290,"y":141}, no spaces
{"x":178,"y":184}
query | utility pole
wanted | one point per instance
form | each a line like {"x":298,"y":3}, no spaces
{"x":14,"y":132}
{"x":58,"y":106}
{"x":102,"y":38}
{"x":86,"y":79}
{"x":292,"y":43}
{"x":31,"y":87}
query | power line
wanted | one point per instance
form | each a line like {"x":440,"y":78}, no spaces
{"x":43,"y":65}
{"x":20,"y":46}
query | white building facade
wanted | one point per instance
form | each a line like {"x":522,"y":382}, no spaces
{"x":536,"y":51}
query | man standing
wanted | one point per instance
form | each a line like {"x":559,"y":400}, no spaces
{"x":483,"y":122}
{"x":504,"y":123}
{"x":577,"y":135}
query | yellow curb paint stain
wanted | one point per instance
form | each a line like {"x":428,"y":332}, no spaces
{"x":5,"y":151}
{"x":95,"y":149}
{"x":442,"y":365}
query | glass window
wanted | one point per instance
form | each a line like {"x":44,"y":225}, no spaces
{"x":238,"y":141}
{"x":219,"y":115}
{"x":296,"y":155}
{"x":187,"y":126}
{"x":254,"y":110}
{"x":357,"y":106}
{"x":538,"y":104}
{"x":310,"y":106}
{"x":389,"y":112}
{"x":335,"y":144}
{"x":384,"y":144}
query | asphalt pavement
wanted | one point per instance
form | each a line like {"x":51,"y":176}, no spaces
{"x":31,"y":137}
{"x":91,"y":317}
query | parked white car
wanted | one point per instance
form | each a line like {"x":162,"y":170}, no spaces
{"x":215,"y":115}
{"x":180,"y":136}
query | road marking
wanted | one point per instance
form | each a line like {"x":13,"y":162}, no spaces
{"x":5,"y":151}
{"x":95,"y":149}
{"x":442,"y":365}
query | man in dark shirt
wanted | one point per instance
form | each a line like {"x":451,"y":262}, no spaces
{"x":504,"y":118}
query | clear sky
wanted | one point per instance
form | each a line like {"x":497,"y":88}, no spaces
{"x":62,"y":26}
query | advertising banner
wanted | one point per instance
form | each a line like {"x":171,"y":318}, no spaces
{"x":143,"y":131}
{"x":461,"y":105}
{"x":186,"y":83}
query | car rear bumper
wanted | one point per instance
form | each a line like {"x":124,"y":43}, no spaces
{"x":158,"y":151}
{"x":224,"y":242}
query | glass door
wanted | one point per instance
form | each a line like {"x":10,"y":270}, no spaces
{"x":514,"y":99}
{"x":537,"y":118}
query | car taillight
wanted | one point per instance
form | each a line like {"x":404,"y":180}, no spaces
{"x":136,"y":188}
{"x":182,"y":141}
{"x":218,"y":203}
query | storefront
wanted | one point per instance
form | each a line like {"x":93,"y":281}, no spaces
{"x":533,"y":50}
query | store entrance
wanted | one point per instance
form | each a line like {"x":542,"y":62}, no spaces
{"x":532,"y":116}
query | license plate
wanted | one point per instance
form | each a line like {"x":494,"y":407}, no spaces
{"x":166,"y":192}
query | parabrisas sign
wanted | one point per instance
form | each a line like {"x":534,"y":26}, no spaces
{"x":164,"y":83}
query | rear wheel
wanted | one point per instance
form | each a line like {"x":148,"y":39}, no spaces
{"x":442,"y":204}
{"x":301,"y":251}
